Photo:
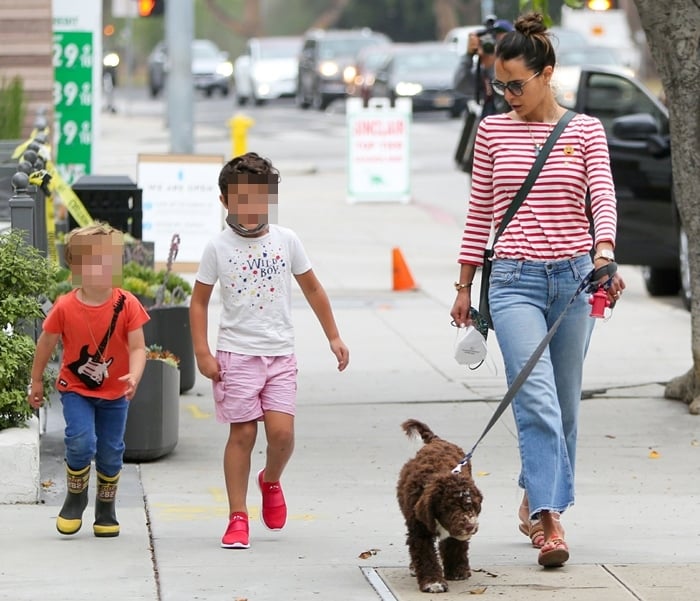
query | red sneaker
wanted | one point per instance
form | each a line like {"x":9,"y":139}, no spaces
{"x":274,"y":509}
{"x":236,"y":536}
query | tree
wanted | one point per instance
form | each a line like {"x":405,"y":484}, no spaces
{"x":672,"y":29}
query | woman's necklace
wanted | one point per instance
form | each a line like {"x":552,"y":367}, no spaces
{"x":538,"y":145}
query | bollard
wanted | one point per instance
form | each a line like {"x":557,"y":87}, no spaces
{"x":239,"y":125}
{"x":22,"y":207}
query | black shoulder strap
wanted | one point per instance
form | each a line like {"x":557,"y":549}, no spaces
{"x":534,"y":172}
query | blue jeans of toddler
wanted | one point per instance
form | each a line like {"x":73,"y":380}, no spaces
{"x":94,"y":429}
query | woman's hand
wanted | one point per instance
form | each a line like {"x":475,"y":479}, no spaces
{"x":460,"y":308}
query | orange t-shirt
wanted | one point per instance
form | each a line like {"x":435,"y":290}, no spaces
{"x":95,"y":342}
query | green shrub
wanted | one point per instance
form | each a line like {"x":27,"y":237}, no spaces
{"x":25,"y":275}
{"x":12,"y":108}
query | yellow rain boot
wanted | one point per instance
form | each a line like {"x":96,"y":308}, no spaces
{"x":70,"y":518}
{"x":106,"y":523}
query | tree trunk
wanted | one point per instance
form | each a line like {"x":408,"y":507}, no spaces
{"x":445,"y":17}
{"x":672,"y":28}
{"x":331,"y":15}
{"x":249,"y":26}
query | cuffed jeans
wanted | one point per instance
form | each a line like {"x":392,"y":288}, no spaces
{"x":94,"y":428}
{"x":526,"y":298}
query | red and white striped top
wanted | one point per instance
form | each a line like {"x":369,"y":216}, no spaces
{"x":552,"y":223}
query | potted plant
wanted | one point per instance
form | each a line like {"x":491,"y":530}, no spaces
{"x":25,"y":275}
{"x":153,"y":420}
{"x":165,"y":295}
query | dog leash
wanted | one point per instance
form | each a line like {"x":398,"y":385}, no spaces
{"x":588,"y":284}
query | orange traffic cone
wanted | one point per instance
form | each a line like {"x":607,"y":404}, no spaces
{"x":403,"y":280}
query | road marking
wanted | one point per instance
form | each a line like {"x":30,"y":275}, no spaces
{"x":196,"y":412}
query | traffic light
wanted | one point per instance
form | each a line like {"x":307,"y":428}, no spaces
{"x":601,"y":4}
{"x":151,"y":8}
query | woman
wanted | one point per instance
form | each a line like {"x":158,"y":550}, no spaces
{"x":540,"y":260}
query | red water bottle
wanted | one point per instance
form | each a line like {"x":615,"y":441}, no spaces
{"x":599,"y":301}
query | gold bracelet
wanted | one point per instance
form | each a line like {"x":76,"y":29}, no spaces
{"x":459,"y":286}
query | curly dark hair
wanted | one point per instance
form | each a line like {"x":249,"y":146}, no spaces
{"x":250,"y":167}
{"x":530,"y":41}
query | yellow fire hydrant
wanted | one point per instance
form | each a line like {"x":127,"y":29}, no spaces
{"x":239,"y":125}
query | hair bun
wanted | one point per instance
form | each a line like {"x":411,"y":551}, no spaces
{"x":530,"y":24}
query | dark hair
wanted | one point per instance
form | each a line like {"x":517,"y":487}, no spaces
{"x":250,"y":167}
{"x":530,"y":41}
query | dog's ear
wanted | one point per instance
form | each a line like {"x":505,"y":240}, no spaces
{"x":476,"y":497}
{"x":424,"y":509}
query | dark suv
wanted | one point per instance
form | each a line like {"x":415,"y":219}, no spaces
{"x":649,"y":229}
{"x":327,"y":63}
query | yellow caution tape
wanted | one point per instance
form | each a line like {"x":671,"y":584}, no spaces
{"x":57,"y":185}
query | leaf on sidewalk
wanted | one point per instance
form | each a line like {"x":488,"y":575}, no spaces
{"x":368,"y":554}
{"x":477,"y":591}
{"x":654,"y":454}
{"x":695,"y":443}
{"x":481,"y":474}
{"x":612,"y":436}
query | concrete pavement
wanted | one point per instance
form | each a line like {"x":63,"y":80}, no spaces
{"x":633,"y":533}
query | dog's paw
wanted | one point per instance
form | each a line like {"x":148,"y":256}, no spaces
{"x":463,"y":575}
{"x":434,"y":587}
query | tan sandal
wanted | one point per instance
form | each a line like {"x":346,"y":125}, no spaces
{"x":554,"y":553}
{"x":534,"y":531}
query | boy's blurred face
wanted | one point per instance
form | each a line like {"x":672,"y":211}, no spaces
{"x":251,"y":200}
{"x":97,"y":260}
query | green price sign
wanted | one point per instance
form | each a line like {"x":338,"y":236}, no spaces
{"x":73,"y":95}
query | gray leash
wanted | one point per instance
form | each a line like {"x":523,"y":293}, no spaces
{"x":586,"y":284}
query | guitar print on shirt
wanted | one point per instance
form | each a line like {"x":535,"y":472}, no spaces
{"x":92,"y":369}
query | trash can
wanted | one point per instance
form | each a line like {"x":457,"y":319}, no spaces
{"x":111,"y":198}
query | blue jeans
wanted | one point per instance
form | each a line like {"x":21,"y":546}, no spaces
{"x":526,"y":298}
{"x":94,"y":429}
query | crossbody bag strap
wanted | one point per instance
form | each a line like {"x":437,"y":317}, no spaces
{"x":534,"y":172}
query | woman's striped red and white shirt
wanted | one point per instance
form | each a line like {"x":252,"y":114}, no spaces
{"x":552,"y":223}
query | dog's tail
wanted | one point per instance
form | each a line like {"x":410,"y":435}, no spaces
{"x":413,"y":427}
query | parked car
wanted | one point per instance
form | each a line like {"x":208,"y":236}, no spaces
{"x":649,"y":231}
{"x":267,"y":69}
{"x":367,"y":63}
{"x":211,"y":68}
{"x":327,"y":63}
{"x":423,"y":72}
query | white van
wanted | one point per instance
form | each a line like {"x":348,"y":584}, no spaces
{"x":607,"y":28}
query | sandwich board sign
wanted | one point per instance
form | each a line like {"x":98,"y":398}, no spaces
{"x":180,"y":195}
{"x":378,"y":150}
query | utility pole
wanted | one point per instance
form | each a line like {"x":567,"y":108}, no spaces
{"x":179,"y":32}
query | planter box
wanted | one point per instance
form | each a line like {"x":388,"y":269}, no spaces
{"x":19,"y":464}
{"x":154,"y":413}
{"x":169,"y":328}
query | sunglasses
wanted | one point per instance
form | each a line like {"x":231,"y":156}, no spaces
{"x":514,"y":87}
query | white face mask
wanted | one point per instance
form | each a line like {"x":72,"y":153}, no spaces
{"x":470,"y":347}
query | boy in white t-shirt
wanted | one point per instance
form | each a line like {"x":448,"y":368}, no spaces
{"x":254,"y":370}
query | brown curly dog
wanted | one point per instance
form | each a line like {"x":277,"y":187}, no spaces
{"x":441,"y":510}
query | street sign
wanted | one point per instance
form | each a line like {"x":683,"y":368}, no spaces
{"x":379,"y":150}
{"x":77,"y":62}
{"x":125,"y":9}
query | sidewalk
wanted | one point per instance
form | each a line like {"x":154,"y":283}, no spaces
{"x":633,"y":533}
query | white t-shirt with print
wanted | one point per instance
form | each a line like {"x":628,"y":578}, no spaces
{"x":256,"y":278}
